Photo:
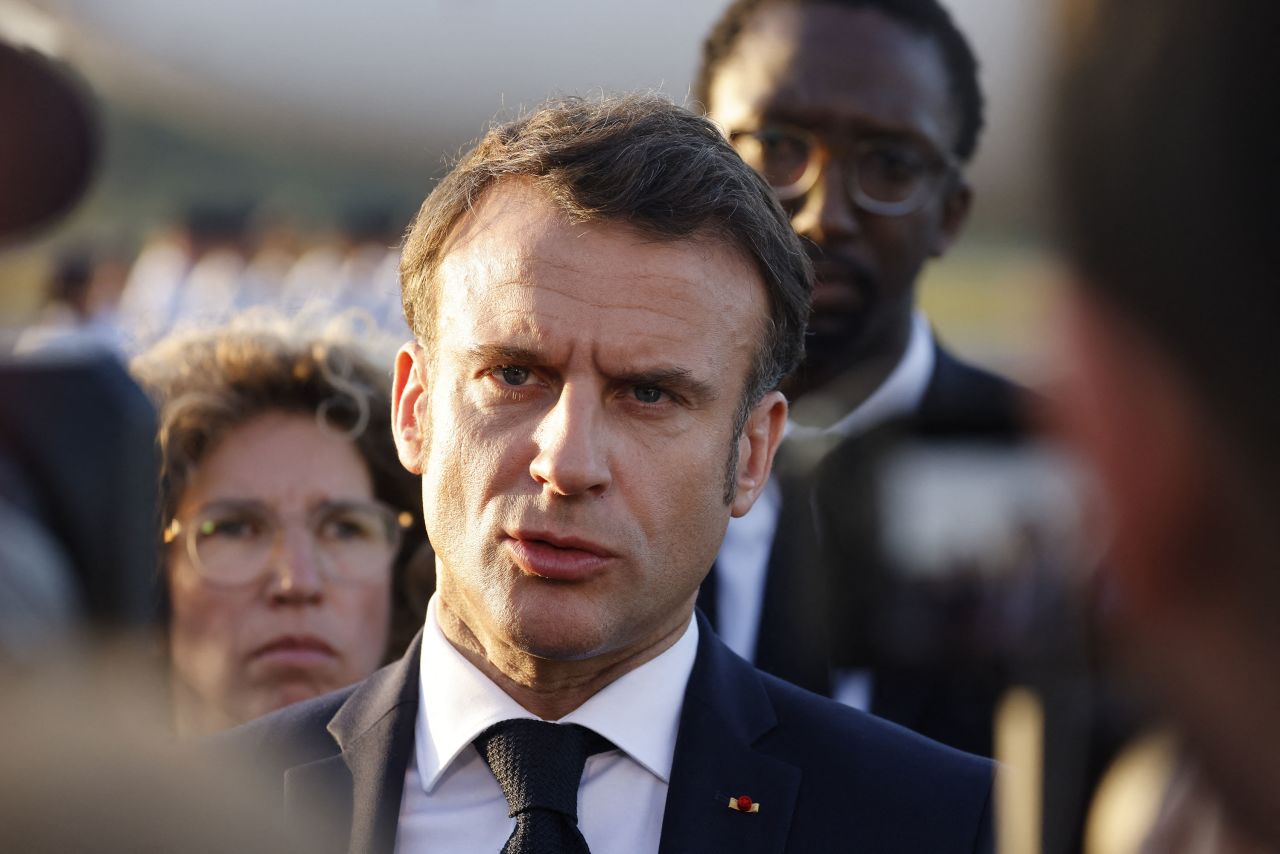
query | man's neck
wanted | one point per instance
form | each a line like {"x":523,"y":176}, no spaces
{"x":546,"y":687}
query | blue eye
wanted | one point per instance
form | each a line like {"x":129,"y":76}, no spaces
{"x":648,"y":394}
{"x":513,"y":376}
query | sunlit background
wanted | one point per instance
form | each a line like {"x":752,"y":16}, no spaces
{"x":314,"y":118}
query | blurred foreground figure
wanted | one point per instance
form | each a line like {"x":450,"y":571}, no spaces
{"x":75,"y":551}
{"x":1168,"y":205}
{"x":288,"y":519}
{"x":88,"y":765}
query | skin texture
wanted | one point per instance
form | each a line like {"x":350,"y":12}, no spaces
{"x":583,"y":386}
{"x":218,"y":632}
{"x":844,"y":74}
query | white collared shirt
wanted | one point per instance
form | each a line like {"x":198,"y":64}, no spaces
{"x":743,"y":562}
{"x":452,"y":802}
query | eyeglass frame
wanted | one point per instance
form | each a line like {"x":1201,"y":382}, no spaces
{"x":947,"y":164}
{"x":399,"y":521}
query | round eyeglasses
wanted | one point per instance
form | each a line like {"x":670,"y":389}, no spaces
{"x":236,"y":542}
{"x":889,"y":175}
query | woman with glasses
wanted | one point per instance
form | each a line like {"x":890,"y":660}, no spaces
{"x":288,"y":522}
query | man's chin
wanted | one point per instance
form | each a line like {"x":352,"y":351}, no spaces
{"x":565,"y":642}
{"x":834,"y":344}
{"x":568,"y":631}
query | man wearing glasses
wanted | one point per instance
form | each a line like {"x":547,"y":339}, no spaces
{"x":861,"y":114}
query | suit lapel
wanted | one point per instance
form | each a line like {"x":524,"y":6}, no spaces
{"x":362,"y":786}
{"x":726,"y":711}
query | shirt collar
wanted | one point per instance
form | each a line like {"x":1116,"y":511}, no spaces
{"x":639,"y":711}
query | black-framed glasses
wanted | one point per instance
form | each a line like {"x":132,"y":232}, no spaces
{"x":237,"y":542}
{"x":888,"y":175}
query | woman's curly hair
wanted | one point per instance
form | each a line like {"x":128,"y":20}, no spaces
{"x":207,"y":382}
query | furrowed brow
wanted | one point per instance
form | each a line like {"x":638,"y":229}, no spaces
{"x":499,"y":354}
{"x":679,"y":381}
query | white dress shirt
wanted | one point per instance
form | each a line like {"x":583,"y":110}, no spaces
{"x":743,"y":562}
{"x":452,"y":802}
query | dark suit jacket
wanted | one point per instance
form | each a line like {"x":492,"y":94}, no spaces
{"x":794,"y":639}
{"x":827,"y":778}
{"x":962,"y":397}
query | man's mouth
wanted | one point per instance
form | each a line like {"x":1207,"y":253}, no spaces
{"x":841,"y":288}
{"x":838,"y":296}
{"x":558,"y":557}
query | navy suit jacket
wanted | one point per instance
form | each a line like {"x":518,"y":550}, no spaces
{"x":827,"y":778}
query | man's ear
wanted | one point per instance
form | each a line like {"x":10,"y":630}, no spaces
{"x":756,"y":447}
{"x":408,"y":392}
{"x":955,"y":213}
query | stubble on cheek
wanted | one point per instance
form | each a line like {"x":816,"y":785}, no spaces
{"x":461,"y":475}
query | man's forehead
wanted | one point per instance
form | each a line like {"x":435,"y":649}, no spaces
{"x":517,"y":239}
{"x":520,"y":264}
{"x":828,"y":66}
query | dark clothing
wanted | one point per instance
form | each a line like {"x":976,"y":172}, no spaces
{"x":804,"y":611}
{"x":826,"y":777}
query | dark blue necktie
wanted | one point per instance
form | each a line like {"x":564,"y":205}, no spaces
{"x":539,"y":767}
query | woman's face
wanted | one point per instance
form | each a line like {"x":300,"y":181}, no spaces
{"x":269,"y":606}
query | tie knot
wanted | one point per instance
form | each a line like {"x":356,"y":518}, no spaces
{"x":539,"y":764}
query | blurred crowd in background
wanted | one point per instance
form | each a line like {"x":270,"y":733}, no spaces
{"x":215,"y":263}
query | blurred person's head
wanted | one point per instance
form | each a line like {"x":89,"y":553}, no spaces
{"x":213,"y":224}
{"x":1172,"y":392}
{"x":861,"y":114}
{"x":69,"y":282}
{"x":604,"y":298}
{"x":286,"y":517}
{"x":85,"y":281}
{"x":50,"y":144}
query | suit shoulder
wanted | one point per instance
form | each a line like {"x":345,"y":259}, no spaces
{"x":916,"y":794}
{"x":286,"y":737}
{"x":838,"y":730}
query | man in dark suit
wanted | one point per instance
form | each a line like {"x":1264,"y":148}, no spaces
{"x":604,"y":299}
{"x":861,"y":114}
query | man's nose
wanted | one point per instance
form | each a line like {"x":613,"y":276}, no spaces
{"x":572,"y":458}
{"x":827,"y":215}
{"x":297,"y":576}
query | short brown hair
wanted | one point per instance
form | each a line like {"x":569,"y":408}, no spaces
{"x":638,"y":160}
{"x":206,"y":383}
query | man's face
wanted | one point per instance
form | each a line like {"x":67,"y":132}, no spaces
{"x":846,"y":77}
{"x":574,"y":423}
